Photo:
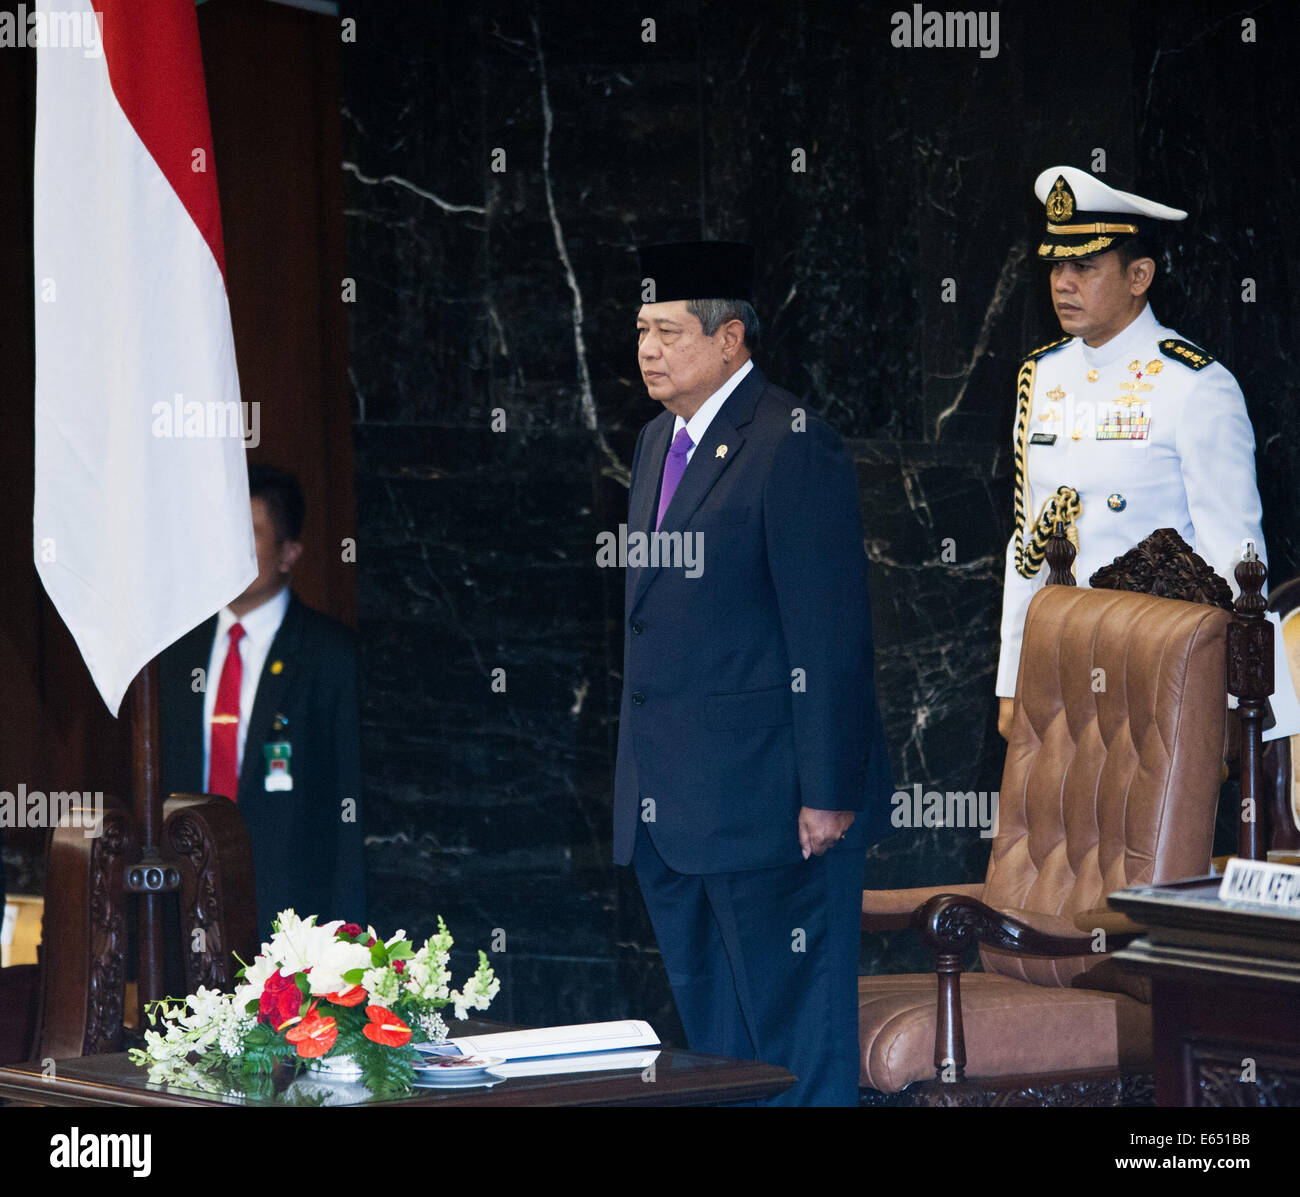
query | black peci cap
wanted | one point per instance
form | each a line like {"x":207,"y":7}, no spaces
{"x":696,"y":270}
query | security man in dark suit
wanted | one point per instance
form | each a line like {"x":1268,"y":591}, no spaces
{"x":259,"y":703}
{"x":752,"y":771}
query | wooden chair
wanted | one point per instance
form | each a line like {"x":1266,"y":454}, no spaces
{"x":80,"y":989}
{"x":218,"y":900}
{"x":1111,"y":780}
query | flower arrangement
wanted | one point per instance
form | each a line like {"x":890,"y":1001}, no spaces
{"x":331,"y":994}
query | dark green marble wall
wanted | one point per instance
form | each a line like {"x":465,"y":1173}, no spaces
{"x":514,"y":291}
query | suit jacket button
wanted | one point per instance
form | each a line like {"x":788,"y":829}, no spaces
{"x":638,"y":699}
{"x":637,"y":627}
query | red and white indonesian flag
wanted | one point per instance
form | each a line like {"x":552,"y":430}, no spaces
{"x":142,"y":526}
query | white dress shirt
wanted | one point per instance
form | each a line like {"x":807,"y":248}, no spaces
{"x":260,"y":626}
{"x":699,"y":423}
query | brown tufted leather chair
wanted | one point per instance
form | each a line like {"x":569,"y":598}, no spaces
{"x":1111,"y":780}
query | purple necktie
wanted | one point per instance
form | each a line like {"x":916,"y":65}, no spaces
{"x":674,"y":467}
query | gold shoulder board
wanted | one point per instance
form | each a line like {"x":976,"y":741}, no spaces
{"x":1045,"y":349}
{"x":1192,"y":356}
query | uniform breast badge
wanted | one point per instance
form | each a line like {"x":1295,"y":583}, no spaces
{"x":1128,"y":416}
{"x":1051,"y":416}
{"x":1116,"y":502}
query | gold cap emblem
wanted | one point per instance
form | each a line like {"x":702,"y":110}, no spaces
{"x":1060,"y":201}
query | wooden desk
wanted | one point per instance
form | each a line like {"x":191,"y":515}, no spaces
{"x":1225,"y":994}
{"x":678,"y":1079}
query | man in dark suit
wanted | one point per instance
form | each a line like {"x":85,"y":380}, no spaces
{"x":259,"y":703}
{"x":752,"y":771}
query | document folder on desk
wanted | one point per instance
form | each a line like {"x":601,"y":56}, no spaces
{"x":583,"y":1047}
{"x":628,"y":1059}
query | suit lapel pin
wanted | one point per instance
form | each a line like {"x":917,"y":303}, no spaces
{"x":277,"y":666}
{"x":722,"y":451}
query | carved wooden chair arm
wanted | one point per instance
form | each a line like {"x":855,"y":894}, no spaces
{"x":892,"y":909}
{"x":951,"y":923}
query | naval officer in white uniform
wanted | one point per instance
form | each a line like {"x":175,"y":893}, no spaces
{"x":1122,"y":426}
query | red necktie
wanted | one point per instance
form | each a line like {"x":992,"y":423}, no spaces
{"x":223,"y":753}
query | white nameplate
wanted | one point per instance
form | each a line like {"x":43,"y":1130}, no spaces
{"x":1261,"y":884}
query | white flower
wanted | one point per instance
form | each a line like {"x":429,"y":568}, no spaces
{"x":426,"y":976}
{"x":433,"y":1026}
{"x":209,"y":1008}
{"x":440,"y":944}
{"x":298,"y":945}
{"x":382,"y":985}
{"x":256,"y":976}
{"x":162,"y":1049}
{"x":233,"y":1030}
{"x":332,"y":961}
{"x":480,"y":989}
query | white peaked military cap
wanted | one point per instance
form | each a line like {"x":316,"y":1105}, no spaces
{"x":1086,"y":216}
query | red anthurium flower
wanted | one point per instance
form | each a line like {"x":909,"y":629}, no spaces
{"x":350,"y":929}
{"x":313,"y":1035}
{"x":385,"y":1027}
{"x":354,"y":995}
